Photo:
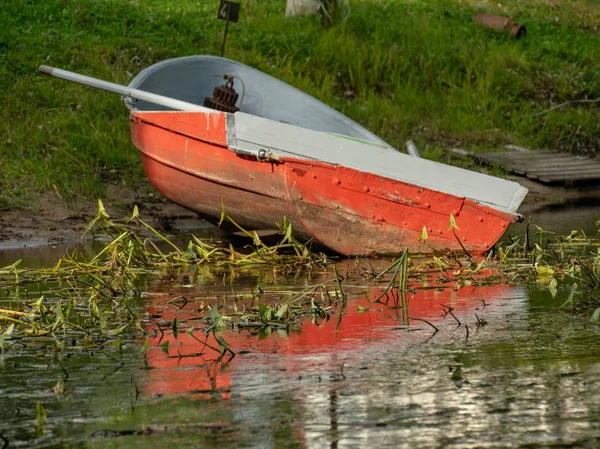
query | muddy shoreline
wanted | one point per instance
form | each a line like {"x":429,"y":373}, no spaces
{"x":50,"y":221}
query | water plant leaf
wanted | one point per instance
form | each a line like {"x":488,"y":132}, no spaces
{"x":175,"y":327}
{"x":266,"y":312}
{"x":287,"y":227}
{"x":457,"y":374}
{"x":100,"y":215}
{"x":163,"y":238}
{"x":452,"y":224}
{"x":40,"y":414}
{"x":59,"y":387}
{"x":544,"y":270}
{"x":60,"y":319}
{"x":11,"y":268}
{"x":224,"y":344}
{"x":144,"y":349}
{"x":264,"y":332}
{"x":479,"y":266}
{"x":115,"y":332}
{"x":281,"y":311}
{"x":7,"y":333}
{"x":442,"y":263}
{"x":223,"y":214}
{"x":424,"y":236}
{"x":165,"y":347}
{"x":573,"y":235}
{"x":214,"y":318}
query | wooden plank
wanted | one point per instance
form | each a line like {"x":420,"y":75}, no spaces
{"x":567,"y":171}
{"x":566,"y":165}
{"x":518,"y":155}
{"x":544,"y":165}
{"x":565,"y":178}
{"x":530,"y":161}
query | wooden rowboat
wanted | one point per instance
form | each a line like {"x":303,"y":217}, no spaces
{"x":285,"y":154}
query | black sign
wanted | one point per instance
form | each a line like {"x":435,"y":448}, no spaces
{"x":229,"y":11}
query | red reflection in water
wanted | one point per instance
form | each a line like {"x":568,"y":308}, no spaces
{"x":191,"y":367}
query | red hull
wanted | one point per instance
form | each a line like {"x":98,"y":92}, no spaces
{"x":187,"y":158}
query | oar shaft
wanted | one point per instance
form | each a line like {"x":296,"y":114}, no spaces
{"x":142,"y":95}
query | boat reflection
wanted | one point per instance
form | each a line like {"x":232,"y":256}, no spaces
{"x":185,"y":362}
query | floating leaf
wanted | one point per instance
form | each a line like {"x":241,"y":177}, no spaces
{"x":457,"y":375}
{"x":59,"y":387}
{"x":165,"y":347}
{"x":115,"y":332}
{"x":214,"y":318}
{"x":175,"y":327}
{"x":40,"y":414}
{"x":7,"y":333}
{"x":266,"y":312}
{"x":544,"y":270}
{"x":281,"y":311}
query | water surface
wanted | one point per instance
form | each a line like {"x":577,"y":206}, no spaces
{"x":525,"y":374}
{"x":511,"y":368}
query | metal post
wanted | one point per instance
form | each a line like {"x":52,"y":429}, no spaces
{"x":224,"y":38}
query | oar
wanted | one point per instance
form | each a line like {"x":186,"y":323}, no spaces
{"x":125,"y":91}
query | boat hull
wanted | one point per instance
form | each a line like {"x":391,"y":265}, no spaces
{"x":189,"y":158}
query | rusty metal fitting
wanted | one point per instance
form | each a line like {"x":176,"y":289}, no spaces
{"x":224,"y":97}
{"x":500,"y":24}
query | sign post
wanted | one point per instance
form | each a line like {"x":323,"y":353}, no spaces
{"x":230,"y":12}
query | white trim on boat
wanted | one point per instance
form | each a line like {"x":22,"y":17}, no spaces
{"x":249,"y":134}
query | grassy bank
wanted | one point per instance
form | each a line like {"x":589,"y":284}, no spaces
{"x":404,"y":69}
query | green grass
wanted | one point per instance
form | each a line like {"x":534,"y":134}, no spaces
{"x":404,"y":69}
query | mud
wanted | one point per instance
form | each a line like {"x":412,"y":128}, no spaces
{"x":51,"y":221}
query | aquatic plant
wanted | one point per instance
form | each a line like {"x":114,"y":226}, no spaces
{"x":571,"y":262}
{"x":100,"y":297}
{"x":94,"y":302}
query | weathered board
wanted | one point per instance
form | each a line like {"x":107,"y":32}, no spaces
{"x":545,"y":166}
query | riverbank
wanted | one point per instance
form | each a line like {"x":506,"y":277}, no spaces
{"x":50,"y":221}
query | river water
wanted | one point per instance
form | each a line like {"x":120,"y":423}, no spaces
{"x":513,"y":369}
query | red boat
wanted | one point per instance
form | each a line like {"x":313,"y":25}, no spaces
{"x":285,"y":154}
